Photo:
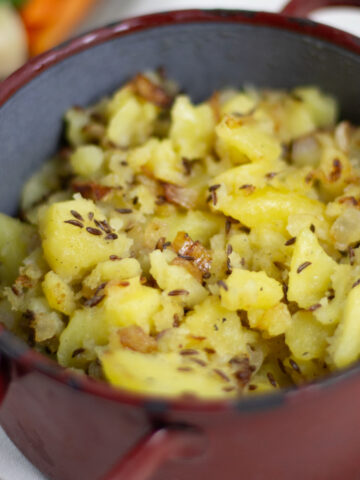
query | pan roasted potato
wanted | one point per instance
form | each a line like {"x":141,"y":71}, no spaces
{"x":171,"y":248}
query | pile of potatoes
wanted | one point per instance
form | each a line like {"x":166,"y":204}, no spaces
{"x":180,"y":249}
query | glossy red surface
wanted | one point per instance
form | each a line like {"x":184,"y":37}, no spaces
{"x":301,"y":8}
{"x":74,"y":428}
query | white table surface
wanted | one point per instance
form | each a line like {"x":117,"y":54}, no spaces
{"x":13,"y":465}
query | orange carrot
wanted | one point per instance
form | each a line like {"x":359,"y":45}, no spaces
{"x":48,"y":22}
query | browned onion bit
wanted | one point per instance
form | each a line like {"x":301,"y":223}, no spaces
{"x":335,"y":173}
{"x":185,"y":369}
{"x":229,"y":249}
{"x":75,"y":223}
{"x":303,"y":266}
{"x":15,"y":290}
{"x":76,"y":215}
{"x":90,"y":215}
{"x":355,"y":284}
{"x":252,"y":387}
{"x":93,"y":231}
{"x":312,"y":228}
{"x":175,"y":293}
{"x":214,"y":187}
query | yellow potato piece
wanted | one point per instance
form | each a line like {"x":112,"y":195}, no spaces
{"x":241,"y":143}
{"x":71,"y":250}
{"x":266,"y":206}
{"x":306,"y":338}
{"x":130,"y":303}
{"x":310,"y":271}
{"x":175,"y":280}
{"x":345,"y":345}
{"x":221,"y":328}
{"x":58,"y":293}
{"x":158,"y":374}
{"x":244,"y":290}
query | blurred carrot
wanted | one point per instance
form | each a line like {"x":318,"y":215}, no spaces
{"x":48,"y":22}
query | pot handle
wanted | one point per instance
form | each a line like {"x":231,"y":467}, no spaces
{"x":302,"y":8}
{"x":167,"y":443}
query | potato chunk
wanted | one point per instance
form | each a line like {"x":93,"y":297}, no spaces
{"x":113,"y":270}
{"x":306,"y":338}
{"x":240,"y":142}
{"x":244,"y":290}
{"x":86,"y":160}
{"x":266,"y":206}
{"x":191,"y":128}
{"x":159,"y":374}
{"x":131,"y":119}
{"x":345,"y":345}
{"x":71,"y":246}
{"x":58,"y":293}
{"x":85,"y":331}
{"x":176,"y":281}
{"x":310,"y":271}
{"x":222,"y":328}
{"x":15,"y":240}
{"x":130,"y":303}
{"x":160,"y":158}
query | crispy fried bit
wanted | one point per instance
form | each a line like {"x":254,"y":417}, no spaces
{"x":91,"y":190}
{"x":349,"y":201}
{"x":184,"y":197}
{"x":135,"y":338}
{"x":187,"y":249}
{"x":336,"y":170}
{"x":151,"y":92}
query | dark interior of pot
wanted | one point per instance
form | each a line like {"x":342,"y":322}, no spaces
{"x":201,"y":57}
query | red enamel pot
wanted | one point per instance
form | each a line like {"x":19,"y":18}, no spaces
{"x":75,"y":428}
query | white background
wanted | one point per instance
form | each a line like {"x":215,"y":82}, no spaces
{"x":13,"y":465}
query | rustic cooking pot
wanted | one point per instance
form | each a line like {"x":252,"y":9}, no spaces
{"x":75,"y":428}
